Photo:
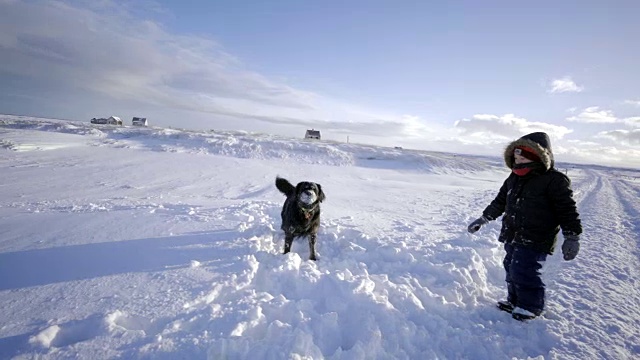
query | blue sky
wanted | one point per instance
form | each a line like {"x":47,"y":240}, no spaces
{"x":461,"y":76}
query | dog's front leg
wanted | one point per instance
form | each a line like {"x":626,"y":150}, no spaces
{"x":312,"y":247}
{"x":288,"y":239}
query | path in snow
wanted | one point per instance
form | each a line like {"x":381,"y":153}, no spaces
{"x":601,"y":286}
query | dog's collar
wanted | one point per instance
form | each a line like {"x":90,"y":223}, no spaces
{"x":307,"y":211}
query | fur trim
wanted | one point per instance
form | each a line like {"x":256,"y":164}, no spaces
{"x":543,"y":153}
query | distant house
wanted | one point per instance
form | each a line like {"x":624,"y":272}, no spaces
{"x":312,"y":134}
{"x":139,"y":121}
{"x":112,"y":120}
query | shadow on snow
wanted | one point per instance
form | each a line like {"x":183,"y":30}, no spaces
{"x":77,"y":262}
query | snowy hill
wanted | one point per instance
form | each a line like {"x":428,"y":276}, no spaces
{"x":152,"y":243}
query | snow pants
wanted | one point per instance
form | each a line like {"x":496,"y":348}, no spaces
{"x":524,"y":281}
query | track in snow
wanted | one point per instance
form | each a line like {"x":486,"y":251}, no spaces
{"x":609,"y":246}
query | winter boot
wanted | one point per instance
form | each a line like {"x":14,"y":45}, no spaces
{"x":521,"y":314}
{"x":504,"y":305}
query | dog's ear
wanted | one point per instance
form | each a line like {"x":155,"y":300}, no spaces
{"x":321,"y":196}
{"x":299,"y":188}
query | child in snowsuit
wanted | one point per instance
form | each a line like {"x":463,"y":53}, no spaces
{"x":536,"y":201}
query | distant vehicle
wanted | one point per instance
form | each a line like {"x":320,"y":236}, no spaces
{"x":112,"y":120}
{"x":312,"y":134}
{"x":139,"y":121}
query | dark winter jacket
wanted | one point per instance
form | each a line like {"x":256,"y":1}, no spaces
{"x":537,"y":205}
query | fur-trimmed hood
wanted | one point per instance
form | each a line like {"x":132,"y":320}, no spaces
{"x":539,"y":142}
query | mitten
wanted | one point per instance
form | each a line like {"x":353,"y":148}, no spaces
{"x":477,"y":224}
{"x":571,"y":246}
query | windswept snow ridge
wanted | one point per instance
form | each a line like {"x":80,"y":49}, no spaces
{"x":247,"y":146}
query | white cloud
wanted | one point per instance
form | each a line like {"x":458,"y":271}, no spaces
{"x":626,"y":137}
{"x":594,"y":114}
{"x":495,"y":128}
{"x":632,"y":121}
{"x":606,"y":150}
{"x":632,"y":102}
{"x":104,"y":49}
{"x":564,"y":84}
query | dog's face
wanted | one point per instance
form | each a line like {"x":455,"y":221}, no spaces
{"x":309,"y":193}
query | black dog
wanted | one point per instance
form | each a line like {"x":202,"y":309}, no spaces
{"x":300,"y":212}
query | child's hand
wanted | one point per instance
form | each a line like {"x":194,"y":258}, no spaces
{"x":477,"y":224}
{"x":571,"y":246}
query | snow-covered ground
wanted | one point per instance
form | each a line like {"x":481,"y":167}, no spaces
{"x":150,"y":243}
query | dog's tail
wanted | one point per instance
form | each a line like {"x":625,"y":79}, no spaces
{"x":285,"y":186}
